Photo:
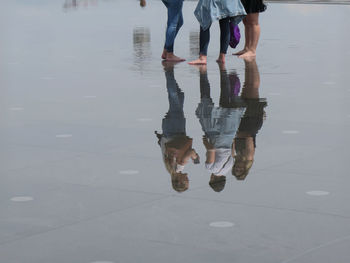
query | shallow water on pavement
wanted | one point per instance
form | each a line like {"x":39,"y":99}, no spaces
{"x":85,"y":178}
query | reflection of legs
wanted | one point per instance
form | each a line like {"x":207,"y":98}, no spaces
{"x":205,"y":106}
{"x":175,"y":21}
{"x":174,"y":122}
{"x":252,"y":80}
{"x":230,"y":87}
{"x":224,"y":38}
{"x":252,"y":34}
{"x":204,"y":38}
{"x":175,"y":94}
{"x":204,"y":83}
{"x":224,"y":87}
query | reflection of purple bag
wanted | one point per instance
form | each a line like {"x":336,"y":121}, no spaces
{"x":235,"y":84}
{"x":235,"y":35}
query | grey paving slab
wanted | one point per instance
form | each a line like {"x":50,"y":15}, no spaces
{"x":332,"y":2}
{"x":50,"y":209}
{"x":159,"y":232}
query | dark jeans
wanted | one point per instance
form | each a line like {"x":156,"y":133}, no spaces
{"x":175,"y":21}
{"x":204,"y":37}
{"x":174,"y":122}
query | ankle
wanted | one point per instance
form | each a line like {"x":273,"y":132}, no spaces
{"x":222,"y":56}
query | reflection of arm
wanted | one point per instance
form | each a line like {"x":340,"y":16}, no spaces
{"x":191,"y":153}
{"x":210,"y":156}
{"x":194,"y":156}
{"x":210,"y":150}
{"x":250,"y":149}
{"x":233,"y":151}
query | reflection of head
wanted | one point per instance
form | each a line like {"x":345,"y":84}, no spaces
{"x":241,"y":168}
{"x":180,"y":182}
{"x":217,"y":182}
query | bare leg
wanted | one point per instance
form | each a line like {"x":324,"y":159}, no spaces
{"x":253,"y":35}
{"x":246,"y":39}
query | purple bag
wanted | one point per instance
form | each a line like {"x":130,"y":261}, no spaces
{"x":235,"y":35}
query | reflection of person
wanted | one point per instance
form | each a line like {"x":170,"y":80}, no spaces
{"x":176,"y":146}
{"x":219,"y":125}
{"x":251,"y":122}
{"x":69,"y":4}
{"x":174,"y":23}
{"x":208,"y":11}
{"x":142,"y":47}
{"x":251,"y":27}
{"x":142,"y":42}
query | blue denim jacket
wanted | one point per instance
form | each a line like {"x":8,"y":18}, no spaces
{"x":207,"y":11}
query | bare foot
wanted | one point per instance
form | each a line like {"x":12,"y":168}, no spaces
{"x":248,"y":54}
{"x":164,"y":54}
{"x":202,"y":60}
{"x":221,"y":58}
{"x":173,"y":58}
{"x":240,"y":52}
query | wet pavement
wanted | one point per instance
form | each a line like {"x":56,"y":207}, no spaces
{"x":85,"y":178}
{"x":331,"y":2}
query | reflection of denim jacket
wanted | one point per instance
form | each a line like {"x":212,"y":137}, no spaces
{"x":207,"y":11}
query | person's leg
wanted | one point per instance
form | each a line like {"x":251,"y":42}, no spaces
{"x":246,"y":39}
{"x":253,"y":35}
{"x":224,"y":38}
{"x":174,"y":24}
{"x":204,"y":38}
{"x":180,"y":22}
{"x":164,"y":50}
{"x":174,"y":121}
